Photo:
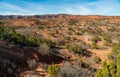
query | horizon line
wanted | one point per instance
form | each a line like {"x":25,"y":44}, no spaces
{"x":56,"y":14}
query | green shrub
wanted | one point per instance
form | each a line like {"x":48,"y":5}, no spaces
{"x":10,"y":35}
{"x":118,"y":65}
{"x":98,"y":73}
{"x":105,"y":70}
{"x":115,"y":51}
{"x":97,"y":59}
{"x":32,"y":64}
{"x":44,"y":49}
{"x":107,"y":38}
{"x":96,"y":39}
{"x":116,"y":47}
{"x":112,"y":68}
{"x":74,"y":70}
{"x":53,"y":70}
{"x":94,"y":46}
{"x":77,"y":48}
{"x":72,"y":21}
{"x":78,"y":33}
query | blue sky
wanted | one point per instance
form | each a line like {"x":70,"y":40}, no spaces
{"x":40,"y":7}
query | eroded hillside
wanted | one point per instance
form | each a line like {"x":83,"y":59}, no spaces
{"x":36,"y":45}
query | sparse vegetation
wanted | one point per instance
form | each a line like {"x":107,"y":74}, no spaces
{"x":80,"y":46}
{"x":53,"y":71}
{"x":97,"y":59}
{"x":96,"y":39}
{"x":77,"y":48}
{"x":32,"y":64}
{"x":111,"y":69}
{"x":11,"y":36}
{"x":107,"y":38}
{"x":69,"y":70}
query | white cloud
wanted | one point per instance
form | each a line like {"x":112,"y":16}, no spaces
{"x":10,"y":9}
{"x":77,"y":10}
{"x":101,"y":7}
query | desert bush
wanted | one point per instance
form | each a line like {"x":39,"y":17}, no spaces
{"x":105,"y":70}
{"x":95,"y":39}
{"x":78,"y":33}
{"x":115,"y":51}
{"x":77,"y":48}
{"x":60,"y":42}
{"x":107,"y":38}
{"x":69,"y":32}
{"x":98,"y":73}
{"x":113,"y":29}
{"x":52,"y":34}
{"x":73,"y":70}
{"x":118,"y":65}
{"x":97,"y":59}
{"x":69,"y":70}
{"x":72,"y":21}
{"x":53,"y":71}
{"x":17,"y":27}
{"x":82,"y":64}
{"x":32,"y":64}
{"x":94,"y":46}
{"x":10,"y":35}
{"x":44,"y":49}
{"x":111,"y":69}
{"x":41,"y":27}
{"x":71,"y":29}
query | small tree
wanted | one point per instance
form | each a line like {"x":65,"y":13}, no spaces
{"x":105,"y":70}
{"x":118,"y":66}
{"x":112,"y":68}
